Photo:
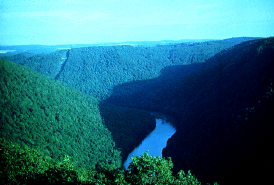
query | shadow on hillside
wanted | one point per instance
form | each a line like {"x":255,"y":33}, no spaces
{"x":144,"y":94}
{"x":224,"y":107}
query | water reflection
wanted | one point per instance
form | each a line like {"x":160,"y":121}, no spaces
{"x":155,"y":141}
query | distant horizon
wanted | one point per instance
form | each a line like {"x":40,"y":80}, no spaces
{"x":111,"y":42}
{"x":65,"y":22}
{"x":165,"y":40}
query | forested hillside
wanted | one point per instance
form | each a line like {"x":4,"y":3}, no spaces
{"x":33,"y":106}
{"x":224,"y":109}
{"x":53,"y":134}
{"x":96,"y":70}
{"x":57,"y":120}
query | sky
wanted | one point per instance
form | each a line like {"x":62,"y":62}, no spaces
{"x":54,"y":22}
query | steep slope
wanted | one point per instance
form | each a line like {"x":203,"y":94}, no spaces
{"x":53,"y":118}
{"x":223,"y":108}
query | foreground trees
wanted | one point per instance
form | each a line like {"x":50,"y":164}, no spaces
{"x":23,"y":165}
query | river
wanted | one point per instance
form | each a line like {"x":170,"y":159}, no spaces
{"x":155,"y":141}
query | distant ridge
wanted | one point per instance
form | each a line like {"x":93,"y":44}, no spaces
{"x":15,"y":49}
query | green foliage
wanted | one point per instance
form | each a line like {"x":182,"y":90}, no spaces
{"x":51,"y":62}
{"x":96,"y":70}
{"x":18,"y":164}
{"x":53,"y":118}
{"x":22,"y":165}
{"x":147,"y":169}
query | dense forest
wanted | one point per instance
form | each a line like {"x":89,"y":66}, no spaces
{"x":25,"y":165}
{"x":54,"y":134}
{"x":58,"y":120}
{"x":221,"y":93}
{"x":96,"y":70}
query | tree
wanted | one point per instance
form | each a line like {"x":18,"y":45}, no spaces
{"x":147,"y":169}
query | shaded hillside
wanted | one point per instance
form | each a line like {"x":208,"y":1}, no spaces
{"x":53,"y":118}
{"x":128,"y":126}
{"x":223,"y":106}
{"x":96,"y":70}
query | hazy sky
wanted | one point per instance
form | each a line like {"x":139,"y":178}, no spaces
{"x":91,"y":21}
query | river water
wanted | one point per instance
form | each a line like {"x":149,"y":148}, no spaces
{"x":155,"y":141}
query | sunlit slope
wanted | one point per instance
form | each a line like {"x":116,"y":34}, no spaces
{"x":56,"y":119}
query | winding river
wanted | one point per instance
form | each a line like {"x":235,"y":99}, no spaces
{"x":155,"y":141}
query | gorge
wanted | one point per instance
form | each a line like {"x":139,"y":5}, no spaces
{"x":220,"y":92}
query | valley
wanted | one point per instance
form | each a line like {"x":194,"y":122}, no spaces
{"x":219,"y":91}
